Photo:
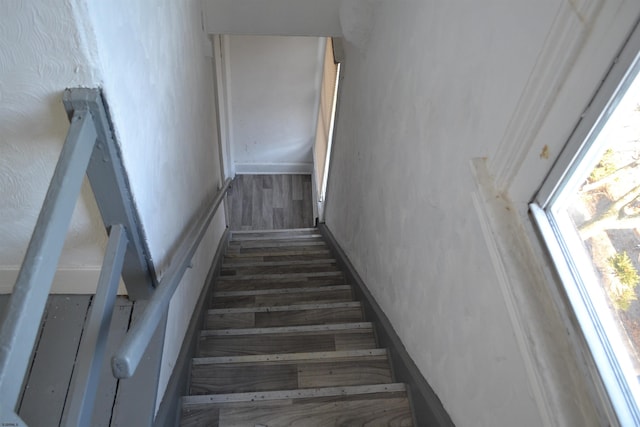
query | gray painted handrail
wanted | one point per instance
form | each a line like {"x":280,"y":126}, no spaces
{"x":125,"y":361}
{"x":110,"y":185}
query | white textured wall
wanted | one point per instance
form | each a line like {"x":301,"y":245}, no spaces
{"x":434,"y":85}
{"x":274,"y":94}
{"x":43,"y":50}
{"x":159,"y":83}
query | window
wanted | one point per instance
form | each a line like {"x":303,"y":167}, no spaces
{"x":588,"y":213}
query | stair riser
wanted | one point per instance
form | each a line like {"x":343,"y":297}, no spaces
{"x":280,"y":243}
{"x":306,"y":282}
{"x":281,"y":299}
{"x":275,"y":249}
{"x":238,"y":271}
{"x":239,"y":378}
{"x":274,"y":234}
{"x":320,"y":256}
{"x":375,"y":411}
{"x":214,"y":346}
{"x":277,"y":256}
{"x":284,"y":318}
{"x":245,"y":278}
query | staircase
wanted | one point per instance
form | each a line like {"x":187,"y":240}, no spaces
{"x":285,"y":344}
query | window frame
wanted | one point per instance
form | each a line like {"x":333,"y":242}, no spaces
{"x":571,"y":159}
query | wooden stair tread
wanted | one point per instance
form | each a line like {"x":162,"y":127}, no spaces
{"x":282,"y":296}
{"x":284,"y":343}
{"x":280,"y":291}
{"x":311,"y":357}
{"x":290,"y":283}
{"x":233,"y":264}
{"x":281,"y":276}
{"x":301,"y":247}
{"x":318,"y":252}
{"x":278,"y":241}
{"x":296,"y":307}
{"x":294,"y":394}
{"x":388,"y":412}
{"x":277,"y":269}
{"x":280,"y":245}
{"x":311,"y":329}
{"x":291,"y":374}
{"x":256,"y":237}
{"x":275,"y":232}
{"x":301,"y":314}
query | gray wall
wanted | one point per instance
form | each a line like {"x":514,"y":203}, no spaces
{"x":432,"y":86}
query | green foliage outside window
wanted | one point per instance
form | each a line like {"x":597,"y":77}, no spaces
{"x":604,"y":168}
{"x":624,"y":294}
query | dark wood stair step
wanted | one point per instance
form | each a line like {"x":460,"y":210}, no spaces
{"x":279,"y":255}
{"x":282,"y":296}
{"x":282,"y":276}
{"x":289,"y":339}
{"x":253,"y":237}
{"x":277,"y":247}
{"x":283,"y":268}
{"x":299,"y":314}
{"x":289,"y":283}
{"x":276,"y":372}
{"x":233,"y":263}
{"x":282,"y":233}
{"x":278,"y":243}
{"x":370,"y":405}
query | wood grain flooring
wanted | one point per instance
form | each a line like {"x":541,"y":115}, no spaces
{"x":285,"y":344}
{"x":269,"y":202}
{"x":45,"y":396}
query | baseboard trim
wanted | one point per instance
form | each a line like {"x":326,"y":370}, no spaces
{"x":168,"y":414}
{"x":274,"y":168}
{"x":427,"y":408}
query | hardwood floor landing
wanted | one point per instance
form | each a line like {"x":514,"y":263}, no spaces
{"x":270,"y":202}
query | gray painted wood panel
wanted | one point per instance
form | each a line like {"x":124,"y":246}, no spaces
{"x":50,"y":376}
{"x":108,"y":384}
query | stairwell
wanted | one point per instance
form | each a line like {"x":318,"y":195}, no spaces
{"x":285,"y":344}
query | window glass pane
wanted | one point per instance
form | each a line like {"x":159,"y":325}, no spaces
{"x":597,"y":213}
